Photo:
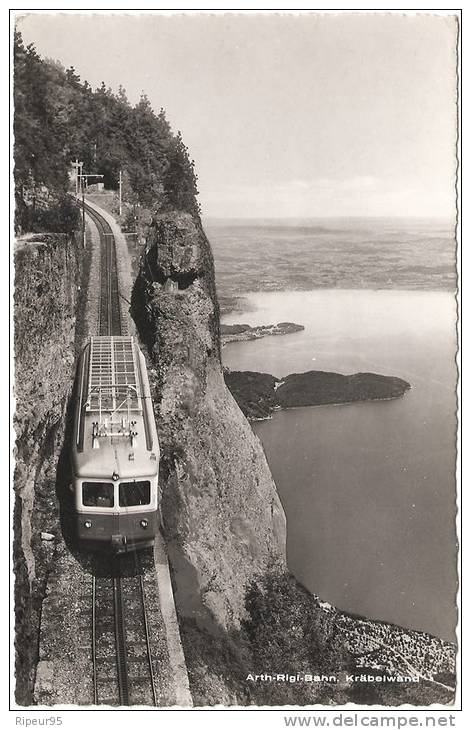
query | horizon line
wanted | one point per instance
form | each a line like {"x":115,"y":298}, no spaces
{"x":331,"y":217}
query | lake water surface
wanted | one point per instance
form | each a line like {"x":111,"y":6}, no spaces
{"x":368,"y":489}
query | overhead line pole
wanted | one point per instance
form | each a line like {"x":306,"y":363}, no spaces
{"x":83,"y":215}
{"x":80,"y":183}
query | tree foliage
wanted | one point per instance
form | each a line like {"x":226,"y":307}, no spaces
{"x":59,"y":118}
{"x":289,"y":633}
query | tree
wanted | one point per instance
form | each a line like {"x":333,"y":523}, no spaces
{"x":59,"y":118}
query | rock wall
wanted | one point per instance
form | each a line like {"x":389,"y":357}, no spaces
{"x":221,"y":515}
{"x":47,"y":278}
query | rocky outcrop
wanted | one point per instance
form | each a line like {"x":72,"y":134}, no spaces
{"x":47,"y":278}
{"x":222,"y":518}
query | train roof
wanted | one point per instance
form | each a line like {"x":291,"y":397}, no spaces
{"x":113,"y":381}
{"x":114,"y":427}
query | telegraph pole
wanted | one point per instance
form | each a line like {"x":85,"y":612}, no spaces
{"x":78,"y":173}
{"x":83,"y":214}
{"x":138,"y":224}
{"x":120,"y":193}
{"x":80,"y":183}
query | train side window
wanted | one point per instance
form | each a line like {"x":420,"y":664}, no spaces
{"x":97,"y":494}
{"x":132,"y":494}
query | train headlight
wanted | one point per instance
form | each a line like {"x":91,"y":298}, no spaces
{"x":143,"y":524}
{"x":115,"y":476}
{"x":87,"y":524}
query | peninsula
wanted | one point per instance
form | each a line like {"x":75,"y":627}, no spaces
{"x":242,"y":332}
{"x":259,"y":394}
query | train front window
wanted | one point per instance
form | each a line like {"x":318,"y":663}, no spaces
{"x":98,"y":494}
{"x":132,"y":494}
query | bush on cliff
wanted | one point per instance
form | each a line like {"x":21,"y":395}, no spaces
{"x":285,"y":632}
{"x":58,"y":215}
{"x":289,"y":633}
{"x":254,"y":392}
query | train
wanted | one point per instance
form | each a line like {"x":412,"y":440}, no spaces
{"x":115,"y":452}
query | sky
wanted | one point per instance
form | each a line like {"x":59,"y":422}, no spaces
{"x":287,"y":115}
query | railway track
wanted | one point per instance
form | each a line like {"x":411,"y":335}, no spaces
{"x":124,"y":657}
{"x":109,"y":311}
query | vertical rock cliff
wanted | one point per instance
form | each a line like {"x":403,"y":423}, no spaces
{"x":221,"y":515}
{"x":46,"y":298}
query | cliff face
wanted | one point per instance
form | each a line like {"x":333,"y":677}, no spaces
{"x":46,"y":295}
{"x":222,"y":518}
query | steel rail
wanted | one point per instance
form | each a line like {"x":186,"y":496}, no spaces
{"x":120,"y":638}
{"x":95,"y":677}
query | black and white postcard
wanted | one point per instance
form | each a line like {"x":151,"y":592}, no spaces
{"x":235,"y":331}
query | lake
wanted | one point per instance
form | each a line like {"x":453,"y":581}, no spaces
{"x":368,"y":489}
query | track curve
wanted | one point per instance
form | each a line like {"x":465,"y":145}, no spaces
{"x":109,"y":312}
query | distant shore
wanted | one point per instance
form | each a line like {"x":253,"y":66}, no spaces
{"x":244,"y":332}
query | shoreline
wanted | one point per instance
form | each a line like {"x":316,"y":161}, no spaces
{"x":230,"y":316}
{"x":279,"y":409}
{"x":350,"y":289}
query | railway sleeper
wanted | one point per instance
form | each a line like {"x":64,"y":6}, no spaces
{"x":140,"y":679}
{"x":113,"y":702}
{"x":106,"y":680}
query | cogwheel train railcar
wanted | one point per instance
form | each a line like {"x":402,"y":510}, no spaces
{"x":115,"y":448}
